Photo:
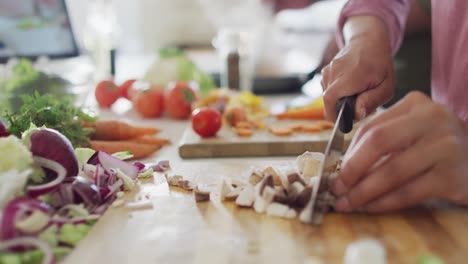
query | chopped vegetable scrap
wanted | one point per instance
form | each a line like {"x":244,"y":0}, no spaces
{"x":282,"y":130}
{"x":315,"y":110}
{"x":52,"y":112}
{"x":280,"y":192}
{"x":116,"y":136}
{"x":51,"y":195}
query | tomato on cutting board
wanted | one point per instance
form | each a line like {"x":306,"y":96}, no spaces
{"x":179,"y":99}
{"x":123,"y":89}
{"x":106,"y":93}
{"x":206,"y":121}
{"x":149,"y":103}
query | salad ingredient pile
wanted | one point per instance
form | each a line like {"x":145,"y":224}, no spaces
{"x":51,"y":194}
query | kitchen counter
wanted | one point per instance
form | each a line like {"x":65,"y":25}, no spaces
{"x":178,"y":230}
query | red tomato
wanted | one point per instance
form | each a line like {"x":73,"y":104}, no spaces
{"x":179,"y":99}
{"x":123,"y":89}
{"x":106,"y":93}
{"x":206,"y":121}
{"x":149,"y":103}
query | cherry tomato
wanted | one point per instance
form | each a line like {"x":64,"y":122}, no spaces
{"x":149,"y":103}
{"x":179,"y":99}
{"x":206,"y":121}
{"x":106,"y":93}
{"x":123,"y":89}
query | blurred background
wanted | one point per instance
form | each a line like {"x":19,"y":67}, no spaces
{"x":283,"y":44}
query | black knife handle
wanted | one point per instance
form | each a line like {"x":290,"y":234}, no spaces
{"x":347,"y":118}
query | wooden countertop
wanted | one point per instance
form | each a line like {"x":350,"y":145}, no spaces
{"x":178,"y":230}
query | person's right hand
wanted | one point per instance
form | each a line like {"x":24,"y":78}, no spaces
{"x":364,"y":66}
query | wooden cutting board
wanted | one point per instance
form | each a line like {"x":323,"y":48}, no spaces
{"x":178,"y":230}
{"x":261,"y":143}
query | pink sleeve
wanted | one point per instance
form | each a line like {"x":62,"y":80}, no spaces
{"x":392,"y":12}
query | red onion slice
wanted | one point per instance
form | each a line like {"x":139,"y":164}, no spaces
{"x":15,"y":211}
{"x":109,"y":162}
{"x":30,"y":242}
{"x":37,"y":190}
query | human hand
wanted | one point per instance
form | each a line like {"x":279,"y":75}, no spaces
{"x":414,"y":151}
{"x":364,"y":66}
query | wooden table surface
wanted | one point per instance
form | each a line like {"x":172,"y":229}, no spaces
{"x":178,"y":230}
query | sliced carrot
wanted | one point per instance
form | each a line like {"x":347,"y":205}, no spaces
{"x":325,"y":124}
{"x":244,"y":124}
{"x":116,"y":130}
{"x":138,"y":150}
{"x":258,"y":123}
{"x":243,"y":132}
{"x":281,"y":131}
{"x":296,"y":127}
{"x":306,"y":113}
{"x":312,"y":127}
{"x":151,"y":140}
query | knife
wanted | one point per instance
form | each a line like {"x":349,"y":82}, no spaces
{"x":344,"y":124}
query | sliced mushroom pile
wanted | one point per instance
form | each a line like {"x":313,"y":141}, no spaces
{"x":284,"y":192}
{"x":281,"y":192}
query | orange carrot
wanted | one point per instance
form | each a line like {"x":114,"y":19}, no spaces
{"x":326,"y":124}
{"x":116,"y":130}
{"x":151,"y":140}
{"x":243,"y":132}
{"x":303,"y":113}
{"x":244,"y":124}
{"x":138,"y":150}
{"x":281,"y":130}
{"x":312,"y":128}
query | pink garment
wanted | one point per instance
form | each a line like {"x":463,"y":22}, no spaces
{"x":449,"y":43}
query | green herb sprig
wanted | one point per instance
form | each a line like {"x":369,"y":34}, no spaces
{"x":52,"y":112}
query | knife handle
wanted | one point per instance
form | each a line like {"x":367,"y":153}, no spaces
{"x":347,"y":118}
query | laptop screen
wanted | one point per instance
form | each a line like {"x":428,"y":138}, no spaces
{"x":31,"y":28}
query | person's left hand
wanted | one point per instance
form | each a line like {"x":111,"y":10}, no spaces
{"x":414,"y":151}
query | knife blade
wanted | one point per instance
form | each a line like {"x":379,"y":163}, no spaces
{"x":333,"y":151}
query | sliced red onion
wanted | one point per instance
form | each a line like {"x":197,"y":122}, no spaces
{"x":17,"y":210}
{"x":66,"y":193}
{"x":59,"y":220}
{"x":87,"y":192}
{"x":109,"y":162}
{"x":37,"y":190}
{"x":77,"y":209}
{"x":51,"y":144}
{"x":102,"y":208}
{"x":3,"y":130}
{"x":162,"y":166}
{"x":139,"y":165}
{"x":114,"y":188}
{"x":34,"y":223}
{"x":26,"y":242}
{"x":89,"y":171}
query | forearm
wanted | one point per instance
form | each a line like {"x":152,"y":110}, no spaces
{"x":366,"y":28}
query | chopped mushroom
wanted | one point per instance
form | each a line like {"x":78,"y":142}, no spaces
{"x":270,"y":171}
{"x":306,"y":168}
{"x":255,"y":177}
{"x":187,"y":185}
{"x":226,"y":188}
{"x":233,"y":194}
{"x":201,"y":194}
{"x":280,"y":210}
{"x":295,"y":177}
{"x":264,"y":199}
{"x":246,"y":197}
{"x":174,"y":180}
